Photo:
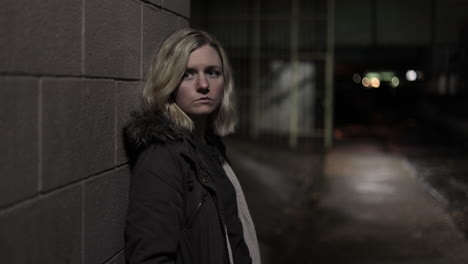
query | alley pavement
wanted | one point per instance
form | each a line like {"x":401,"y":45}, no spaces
{"x":370,"y":208}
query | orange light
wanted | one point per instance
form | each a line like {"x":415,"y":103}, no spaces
{"x":375,"y":82}
{"x":366,"y":82}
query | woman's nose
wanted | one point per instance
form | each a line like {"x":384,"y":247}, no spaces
{"x":203,"y":84}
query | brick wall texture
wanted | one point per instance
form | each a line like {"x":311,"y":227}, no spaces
{"x":70,"y":72}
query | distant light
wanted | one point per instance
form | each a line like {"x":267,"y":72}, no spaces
{"x":366,"y":82}
{"x":395,"y":81}
{"x":411,"y":75}
{"x":375,"y":82}
{"x":356,"y":78}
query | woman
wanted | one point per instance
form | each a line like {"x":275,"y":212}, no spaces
{"x":185,"y":204}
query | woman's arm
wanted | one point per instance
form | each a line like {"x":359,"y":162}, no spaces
{"x":155,"y":211}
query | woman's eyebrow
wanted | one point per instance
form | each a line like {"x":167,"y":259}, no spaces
{"x":214,"y":67}
{"x":207,"y":67}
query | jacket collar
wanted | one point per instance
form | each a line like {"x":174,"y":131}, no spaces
{"x":147,"y":128}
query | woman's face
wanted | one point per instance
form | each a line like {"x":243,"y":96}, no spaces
{"x":202,"y":88}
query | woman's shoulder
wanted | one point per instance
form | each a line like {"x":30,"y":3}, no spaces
{"x":160,"y":155}
{"x":147,"y":129}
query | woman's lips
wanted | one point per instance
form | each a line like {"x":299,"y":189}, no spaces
{"x":204,"y":99}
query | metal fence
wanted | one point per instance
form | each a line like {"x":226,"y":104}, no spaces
{"x":279,"y":53}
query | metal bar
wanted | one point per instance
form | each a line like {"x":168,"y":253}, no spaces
{"x":255,"y":71}
{"x":329,"y":73}
{"x":293,"y":107}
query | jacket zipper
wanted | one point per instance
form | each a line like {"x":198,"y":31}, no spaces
{"x":197,"y":208}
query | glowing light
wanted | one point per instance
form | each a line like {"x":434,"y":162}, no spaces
{"x":411,"y":75}
{"x":375,"y":82}
{"x":356,"y":78}
{"x":395,"y":81}
{"x":366,"y":82}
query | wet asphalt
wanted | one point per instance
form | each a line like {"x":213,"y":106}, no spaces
{"x":359,"y":203}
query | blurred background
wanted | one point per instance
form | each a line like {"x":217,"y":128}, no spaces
{"x":355,"y":111}
{"x":351,"y":147}
{"x":361,"y":65}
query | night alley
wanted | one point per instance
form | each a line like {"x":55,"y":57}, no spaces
{"x":373,"y":209}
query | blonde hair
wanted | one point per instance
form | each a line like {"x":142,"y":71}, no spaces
{"x":166,"y":72}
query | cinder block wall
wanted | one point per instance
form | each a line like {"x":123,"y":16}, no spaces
{"x":70,"y":72}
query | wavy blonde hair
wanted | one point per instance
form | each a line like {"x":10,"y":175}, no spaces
{"x":166,"y":72}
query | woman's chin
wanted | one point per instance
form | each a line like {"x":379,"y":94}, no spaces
{"x":202,"y":111}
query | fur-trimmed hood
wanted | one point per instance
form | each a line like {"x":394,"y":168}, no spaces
{"x":147,"y":128}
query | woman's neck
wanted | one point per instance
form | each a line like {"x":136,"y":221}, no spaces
{"x":199,"y":131}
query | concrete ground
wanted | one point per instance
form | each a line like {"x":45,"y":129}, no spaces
{"x":373,"y":208}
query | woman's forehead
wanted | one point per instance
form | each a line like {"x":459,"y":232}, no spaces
{"x":205,"y":55}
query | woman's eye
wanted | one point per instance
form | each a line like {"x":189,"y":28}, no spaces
{"x":188,"y":75}
{"x":214,"y":73}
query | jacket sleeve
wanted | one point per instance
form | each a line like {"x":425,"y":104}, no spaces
{"x":155,"y":211}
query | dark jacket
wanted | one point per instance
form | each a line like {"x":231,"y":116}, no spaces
{"x":174,"y":215}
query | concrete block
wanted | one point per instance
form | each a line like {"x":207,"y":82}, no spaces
{"x":183,"y":22}
{"x":18,"y":123}
{"x":156,"y":2}
{"x":128,"y":100}
{"x":113,"y":38}
{"x":181,"y":7}
{"x":157,"y":26}
{"x":41,"y":36}
{"x":47,"y":230}
{"x":106,"y":199}
{"x":78,"y":129}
